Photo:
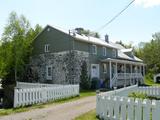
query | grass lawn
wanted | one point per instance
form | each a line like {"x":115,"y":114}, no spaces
{"x":27,"y":108}
{"x":91,"y":115}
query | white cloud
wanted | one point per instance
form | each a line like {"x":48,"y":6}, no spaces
{"x":147,"y":3}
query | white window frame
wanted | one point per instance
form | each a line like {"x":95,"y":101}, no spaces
{"x":104,"y":68}
{"x":48,"y":77}
{"x":46,"y":48}
{"x":104,"y":51}
{"x":114,"y":52}
{"x":94,"y":49}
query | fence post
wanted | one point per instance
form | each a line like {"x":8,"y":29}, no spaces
{"x":130,"y":103}
{"x":146,"y":109}
{"x":138,"y":109}
{"x":123,"y":108}
{"x":116,"y":108}
{"x":155,"y":110}
{"x":15,"y":97}
{"x":97,"y":104}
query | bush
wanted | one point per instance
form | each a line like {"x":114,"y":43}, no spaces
{"x":106,"y":82}
{"x":142,"y":96}
{"x":84,"y":79}
{"x":95,"y":83}
{"x":138,"y":95}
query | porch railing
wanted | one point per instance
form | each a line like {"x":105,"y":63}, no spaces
{"x":128,"y":75}
{"x":126,"y":78}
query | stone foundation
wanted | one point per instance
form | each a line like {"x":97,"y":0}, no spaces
{"x":66,"y":66}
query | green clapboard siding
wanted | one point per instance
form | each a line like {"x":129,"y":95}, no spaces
{"x":57,"y":40}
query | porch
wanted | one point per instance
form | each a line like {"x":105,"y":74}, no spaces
{"x":124,"y":72}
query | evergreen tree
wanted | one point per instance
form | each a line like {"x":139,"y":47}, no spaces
{"x":84,"y":79}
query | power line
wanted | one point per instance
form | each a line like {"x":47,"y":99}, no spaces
{"x":102,"y":27}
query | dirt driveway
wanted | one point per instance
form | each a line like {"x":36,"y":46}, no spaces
{"x":65,"y":111}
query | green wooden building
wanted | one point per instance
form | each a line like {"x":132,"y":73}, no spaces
{"x":58,"y":56}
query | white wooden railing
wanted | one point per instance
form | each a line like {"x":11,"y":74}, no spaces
{"x":28,"y":96}
{"x":125,"y":78}
{"x":123,"y":108}
{"x":116,"y":105}
{"x":128,"y":75}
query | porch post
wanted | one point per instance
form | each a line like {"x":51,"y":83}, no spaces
{"x":116,"y":74}
{"x":143,"y":70}
{"x":110,"y":68}
{"x":136,"y":73}
{"x":131,"y":74}
{"x":125,"y":74}
{"x":140,"y":69}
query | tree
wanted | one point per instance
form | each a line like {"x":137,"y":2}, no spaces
{"x":16,"y":46}
{"x":84,"y":79}
{"x":15,"y":50}
{"x":83,"y":31}
{"x":150,"y":53}
{"x":124,"y":45}
{"x":138,"y":50}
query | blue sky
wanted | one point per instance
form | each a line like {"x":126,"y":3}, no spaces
{"x":135,"y":25}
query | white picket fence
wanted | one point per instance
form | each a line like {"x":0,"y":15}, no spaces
{"x":152,"y":91}
{"x":33,"y":85}
{"x":124,"y":108}
{"x":120,"y":92}
{"x":28,"y":96}
{"x":116,"y":105}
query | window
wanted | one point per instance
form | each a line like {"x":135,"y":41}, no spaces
{"x":104,"y":68}
{"x":114,"y":53}
{"x":46,"y":48}
{"x":94,"y":49}
{"x":104,"y":51}
{"x":48,"y":29}
{"x":49,"y":72}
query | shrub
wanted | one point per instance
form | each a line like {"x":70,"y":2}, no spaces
{"x":138,"y":95}
{"x":95,"y":83}
{"x":84,"y":79}
{"x":142,"y":96}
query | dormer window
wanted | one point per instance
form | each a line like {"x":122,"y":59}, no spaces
{"x":94,"y":49}
{"x":104,"y":51}
{"x":114,"y":53}
{"x":46,"y":48}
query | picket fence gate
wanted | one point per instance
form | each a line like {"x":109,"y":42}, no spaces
{"x":124,"y":108}
{"x":28,"y":96}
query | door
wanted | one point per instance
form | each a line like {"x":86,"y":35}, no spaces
{"x":94,"y":70}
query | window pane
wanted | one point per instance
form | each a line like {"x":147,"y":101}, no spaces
{"x":46,"y":48}
{"x":49,"y":71}
{"x":94,"y":49}
{"x":104,"y":68}
{"x":104,"y":51}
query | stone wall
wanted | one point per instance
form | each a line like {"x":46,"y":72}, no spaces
{"x":66,"y":66}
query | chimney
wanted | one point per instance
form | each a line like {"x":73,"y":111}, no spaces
{"x":106,"y":38}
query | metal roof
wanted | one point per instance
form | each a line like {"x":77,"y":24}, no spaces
{"x":122,"y":61}
{"x":97,"y":41}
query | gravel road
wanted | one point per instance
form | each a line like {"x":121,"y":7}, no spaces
{"x":65,"y":111}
